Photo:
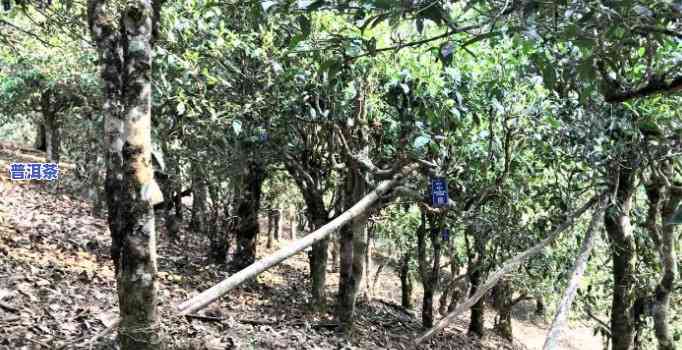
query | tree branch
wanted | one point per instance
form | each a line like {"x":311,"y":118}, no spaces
{"x":654,"y":86}
{"x":205,"y":298}
{"x":505,"y":269}
{"x":23,"y":31}
{"x":564,"y":307}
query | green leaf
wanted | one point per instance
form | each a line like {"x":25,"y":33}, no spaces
{"x":586,"y":70}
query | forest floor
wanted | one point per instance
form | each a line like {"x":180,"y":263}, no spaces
{"x":57,"y":289}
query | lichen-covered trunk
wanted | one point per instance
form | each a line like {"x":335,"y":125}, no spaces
{"x":619,"y":230}
{"x":406,"y":281}
{"x":108,"y":40}
{"x":247,"y":206}
{"x":137,"y":280}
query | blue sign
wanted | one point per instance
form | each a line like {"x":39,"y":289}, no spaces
{"x":33,"y":171}
{"x":446,"y":234}
{"x":439,"y":192}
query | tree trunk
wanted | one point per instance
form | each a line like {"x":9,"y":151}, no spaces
{"x":564,"y":307}
{"x":271,"y":219}
{"x":663,"y":201}
{"x":429,"y":274}
{"x":52,"y":135}
{"x":366,"y":203}
{"x":199,"y":198}
{"x":367,"y":268}
{"x":360,"y":237}
{"x":137,"y":280}
{"x":458,"y":286}
{"x":619,"y":230}
{"x":274,"y":226}
{"x":295,"y":222}
{"x":450,"y":289}
{"x":353,"y":248}
{"x":279,"y":223}
{"x":406,"y":281}
{"x":475,"y":272}
{"x":506,"y":268}
{"x":247,"y":211}
{"x":540,"y":305}
{"x":169,"y":186}
{"x":663,"y":292}
{"x":336,"y":253}
{"x":41,"y":137}
{"x":318,"y":264}
{"x":476,"y":324}
{"x":176,"y":181}
{"x":503,"y":304}
{"x":346,"y":302}
{"x":108,"y":39}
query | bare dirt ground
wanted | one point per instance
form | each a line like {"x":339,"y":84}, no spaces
{"x":57,"y":290}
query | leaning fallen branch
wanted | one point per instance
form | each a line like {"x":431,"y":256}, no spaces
{"x":569,"y":294}
{"x":506,"y":268}
{"x":210,"y":295}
